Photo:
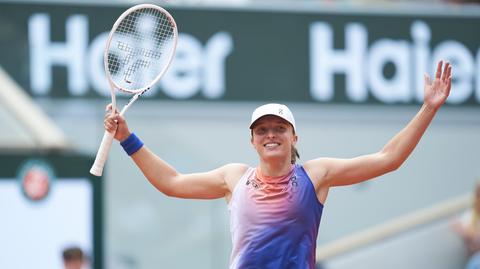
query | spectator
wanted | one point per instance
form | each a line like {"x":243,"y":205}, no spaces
{"x":468,"y":227}
{"x":74,"y":258}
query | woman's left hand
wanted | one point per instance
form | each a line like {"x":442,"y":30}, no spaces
{"x":437,"y":91}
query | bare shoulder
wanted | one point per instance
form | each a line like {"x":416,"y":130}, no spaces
{"x":316,"y":170}
{"x":233,"y":172}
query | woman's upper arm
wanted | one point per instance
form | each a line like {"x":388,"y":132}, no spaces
{"x":213,"y":184}
{"x":338,"y":172}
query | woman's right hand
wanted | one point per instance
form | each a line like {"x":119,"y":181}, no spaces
{"x":114,"y":123}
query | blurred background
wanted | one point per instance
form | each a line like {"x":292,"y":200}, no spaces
{"x":351,"y":71}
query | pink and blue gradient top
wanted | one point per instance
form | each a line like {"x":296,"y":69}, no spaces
{"x":274,"y":221}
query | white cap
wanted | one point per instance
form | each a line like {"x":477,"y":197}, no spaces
{"x":278,"y":110}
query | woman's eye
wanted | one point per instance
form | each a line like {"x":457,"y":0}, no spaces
{"x":261,"y":131}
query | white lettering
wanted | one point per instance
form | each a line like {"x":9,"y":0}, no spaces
{"x":96,"y":70}
{"x":182,"y":80}
{"x":196,"y":67}
{"x":325,"y":61}
{"x":397,"y":88}
{"x":411,"y":62}
{"x":201,"y":68}
{"x":218,"y":47}
{"x":421,"y":35}
{"x":45,"y":54}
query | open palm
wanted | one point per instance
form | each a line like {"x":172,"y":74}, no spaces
{"x":437,"y":91}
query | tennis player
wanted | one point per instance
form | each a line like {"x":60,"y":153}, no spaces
{"x":275,"y":208}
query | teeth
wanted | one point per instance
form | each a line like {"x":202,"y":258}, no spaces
{"x":269,"y":145}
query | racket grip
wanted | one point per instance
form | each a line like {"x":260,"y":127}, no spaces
{"x":102,"y":154}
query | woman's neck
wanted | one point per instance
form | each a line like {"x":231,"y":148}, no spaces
{"x":274,"y":169}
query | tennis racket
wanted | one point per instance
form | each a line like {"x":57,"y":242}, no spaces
{"x":139,"y":49}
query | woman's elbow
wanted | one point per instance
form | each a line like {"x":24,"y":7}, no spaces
{"x":168,"y":192}
{"x":394,"y":166}
{"x":392,"y":162}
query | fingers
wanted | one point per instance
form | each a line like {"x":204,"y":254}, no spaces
{"x":110,"y":123}
{"x":449,"y":72}
{"x":108,"y":109}
{"x":449,"y":83}
{"x":119,"y":119}
{"x":439,"y":70}
{"x":449,"y":79}
{"x":109,"y":114}
{"x":445,"y":74}
{"x":426,"y":78}
{"x":115,"y":124}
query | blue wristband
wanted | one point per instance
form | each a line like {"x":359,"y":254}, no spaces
{"x":132,"y":144}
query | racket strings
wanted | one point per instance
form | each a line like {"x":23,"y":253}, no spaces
{"x":140,"y":48}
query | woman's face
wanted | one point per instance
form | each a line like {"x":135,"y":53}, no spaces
{"x":273,"y":137}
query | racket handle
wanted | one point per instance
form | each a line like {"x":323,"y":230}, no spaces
{"x":102,"y":154}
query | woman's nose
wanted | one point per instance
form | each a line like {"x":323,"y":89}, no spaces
{"x":270,"y":133}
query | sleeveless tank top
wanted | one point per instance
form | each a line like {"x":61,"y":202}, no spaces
{"x":274,"y":222}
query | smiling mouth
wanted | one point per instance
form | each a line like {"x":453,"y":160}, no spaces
{"x":271,"y":145}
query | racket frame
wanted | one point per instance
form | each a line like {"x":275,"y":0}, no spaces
{"x":104,"y":149}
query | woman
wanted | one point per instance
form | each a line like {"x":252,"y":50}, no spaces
{"x":276,"y":207}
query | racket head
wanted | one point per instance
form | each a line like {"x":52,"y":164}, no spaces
{"x":140,"y":48}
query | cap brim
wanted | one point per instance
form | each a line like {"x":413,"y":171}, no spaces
{"x":255,"y":121}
